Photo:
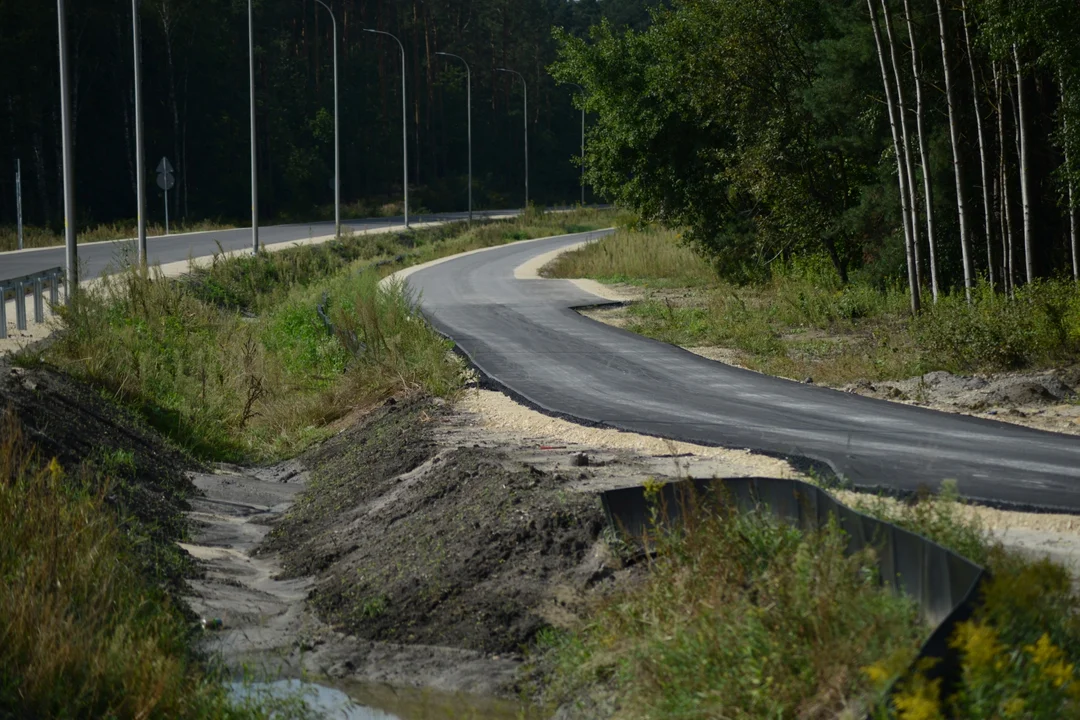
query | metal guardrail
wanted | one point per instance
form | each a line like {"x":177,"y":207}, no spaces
{"x":20,"y":286}
{"x":946,"y":586}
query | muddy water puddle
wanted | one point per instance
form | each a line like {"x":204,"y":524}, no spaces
{"x":348,"y":700}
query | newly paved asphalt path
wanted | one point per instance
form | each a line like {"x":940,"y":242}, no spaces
{"x":525,"y":335}
{"x":95,"y":258}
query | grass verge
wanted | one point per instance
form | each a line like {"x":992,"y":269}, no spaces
{"x":234,"y":361}
{"x":803,"y":322}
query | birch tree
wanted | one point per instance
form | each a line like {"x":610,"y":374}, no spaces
{"x":905,"y":143}
{"x":954,"y":139}
{"x":928,"y":196}
{"x":985,"y":171}
{"x":901,"y":173}
{"x":1025,"y":180}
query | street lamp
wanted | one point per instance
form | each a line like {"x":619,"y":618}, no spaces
{"x":468,"y":101}
{"x":254,"y":164}
{"x":404,"y":122}
{"x":582,"y":144}
{"x":140,"y":170}
{"x":337,"y":146}
{"x":525,"y":85}
{"x":72,"y":279}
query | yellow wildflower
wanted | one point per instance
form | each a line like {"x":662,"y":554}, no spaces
{"x":1013,"y":707}
{"x":919,"y":701}
{"x":1058,"y":673}
{"x":1044,"y":652}
{"x":877,"y":674}
{"x":979,"y":643}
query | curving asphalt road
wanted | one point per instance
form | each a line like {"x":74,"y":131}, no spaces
{"x":95,"y":258}
{"x":525,"y":336}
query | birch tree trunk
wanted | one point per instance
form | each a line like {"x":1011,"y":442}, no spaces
{"x":1025,"y":183}
{"x":901,"y":175}
{"x":954,"y":138}
{"x":928,"y":196}
{"x":1072,"y":207}
{"x":982,"y":150}
{"x":909,"y":165}
{"x":1005,"y":204}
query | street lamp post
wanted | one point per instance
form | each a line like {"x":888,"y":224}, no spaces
{"x":337,"y":145}
{"x":72,"y":257}
{"x":254,"y":163}
{"x":526,"y":87}
{"x":468,"y":101}
{"x":140,"y":170}
{"x":404,"y":122}
{"x":582,"y":145}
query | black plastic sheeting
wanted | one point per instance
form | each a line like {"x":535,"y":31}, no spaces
{"x":946,"y":586}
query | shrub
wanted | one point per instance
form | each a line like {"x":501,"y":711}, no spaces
{"x":1039,"y":325}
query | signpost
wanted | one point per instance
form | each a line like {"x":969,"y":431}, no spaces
{"x":166,"y":181}
{"x":18,"y":199}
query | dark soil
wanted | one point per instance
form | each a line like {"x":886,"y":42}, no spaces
{"x":99,"y":443}
{"x":415,"y":544}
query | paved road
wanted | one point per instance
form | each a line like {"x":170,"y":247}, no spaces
{"x":524,"y":335}
{"x":94,"y":258}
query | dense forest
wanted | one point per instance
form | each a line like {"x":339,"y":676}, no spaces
{"x":195,"y":96}
{"x":932,"y":139}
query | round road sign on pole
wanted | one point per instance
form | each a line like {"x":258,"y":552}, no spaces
{"x":166,"y":181}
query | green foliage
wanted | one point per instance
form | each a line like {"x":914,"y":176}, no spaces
{"x":1039,"y":326}
{"x":718,"y":119}
{"x":738,"y":617}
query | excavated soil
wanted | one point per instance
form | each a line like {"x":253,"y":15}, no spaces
{"x":414,"y":542}
{"x":93,"y":438}
{"x":1044,"y":400}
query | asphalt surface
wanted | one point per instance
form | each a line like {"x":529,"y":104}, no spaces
{"x":524,"y":335}
{"x":96,"y":258}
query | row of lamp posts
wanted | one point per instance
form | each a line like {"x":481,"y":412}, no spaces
{"x":66,"y":139}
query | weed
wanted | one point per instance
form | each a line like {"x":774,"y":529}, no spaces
{"x":84,"y":633}
{"x":739,"y":617}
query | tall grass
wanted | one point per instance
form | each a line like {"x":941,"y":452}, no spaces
{"x":233,"y":361}
{"x":652,"y":257}
{"x":83,"y":634}
{"x":738,"y":617}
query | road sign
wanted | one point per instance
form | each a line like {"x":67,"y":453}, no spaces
{"x":166,"y":181}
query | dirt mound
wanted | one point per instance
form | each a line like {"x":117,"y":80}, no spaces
{"x":94,"y":439}
{"x":1045,"y":400}
{"x":462,"y":548}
